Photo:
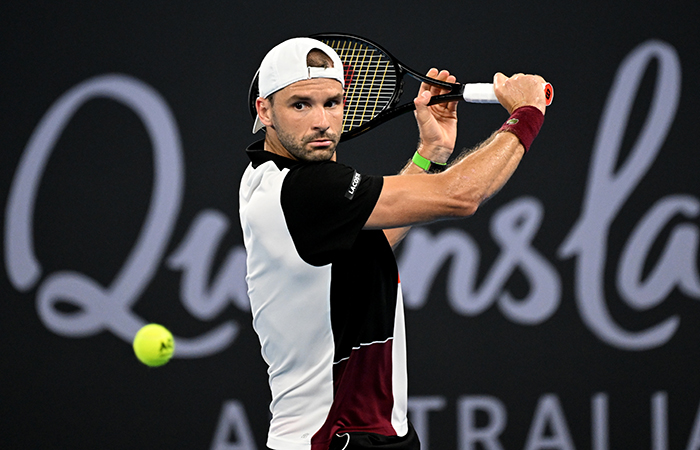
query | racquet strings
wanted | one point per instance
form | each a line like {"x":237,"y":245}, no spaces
{"x":370,"y":80}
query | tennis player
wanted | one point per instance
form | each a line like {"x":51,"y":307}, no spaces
{"x":322,"y":279}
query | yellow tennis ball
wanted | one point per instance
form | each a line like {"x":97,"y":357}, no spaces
{"x":154,"y":345}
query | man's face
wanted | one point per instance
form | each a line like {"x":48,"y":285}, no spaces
{"x":306,"y":117}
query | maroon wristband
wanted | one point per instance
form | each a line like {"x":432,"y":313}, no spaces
{"x":525,"y":123}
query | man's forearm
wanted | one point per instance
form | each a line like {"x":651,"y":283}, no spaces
{"x":396,"y":235}
{"x":487,"y":168}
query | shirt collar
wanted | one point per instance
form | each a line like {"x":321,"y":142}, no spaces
{"x":257,"y":154}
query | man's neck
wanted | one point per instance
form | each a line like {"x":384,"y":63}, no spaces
{"x":273,"y":145}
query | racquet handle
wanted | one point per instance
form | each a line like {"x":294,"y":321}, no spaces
{"x":483,"y":93}
{"x":479,"y":93}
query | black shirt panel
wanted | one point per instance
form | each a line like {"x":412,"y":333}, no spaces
{"x":326,"y":204}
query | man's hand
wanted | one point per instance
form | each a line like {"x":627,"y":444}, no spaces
{"x":437,"y":124}
{"x":520,"y":90}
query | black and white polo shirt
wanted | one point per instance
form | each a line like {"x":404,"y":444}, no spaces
{"x":326,"y":301}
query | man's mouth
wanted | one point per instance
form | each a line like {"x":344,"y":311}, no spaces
{"x":321,"y":142}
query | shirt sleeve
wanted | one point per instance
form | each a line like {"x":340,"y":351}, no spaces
{"x":325,"y":205}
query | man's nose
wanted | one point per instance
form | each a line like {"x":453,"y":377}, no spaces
{"x":321,"y":120}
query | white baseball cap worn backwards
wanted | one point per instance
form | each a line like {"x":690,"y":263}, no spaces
{"x":286,"y":64}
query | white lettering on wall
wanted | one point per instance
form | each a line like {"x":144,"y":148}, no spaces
{"x":233,"y":424}
{"x":98,"y":307}
{"x":194,"y":258}
{"x":675,"y":268}
{"x":607,"y":190}
{"x":418,"y":408}
{"x":659,"y":421}
{"x":694,"y":439}
{"x":513,"y":227}
{"x":600,"y":429}
{"x":488,"y":435}
{"x":549,"y":429}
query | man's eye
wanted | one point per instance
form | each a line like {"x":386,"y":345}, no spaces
{"x":332,"y":103}
{"x":298,"y":105}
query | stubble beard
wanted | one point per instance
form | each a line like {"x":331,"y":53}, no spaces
{"x":298,"y":147}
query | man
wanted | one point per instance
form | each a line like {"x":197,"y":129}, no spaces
{"x":322,"y":279}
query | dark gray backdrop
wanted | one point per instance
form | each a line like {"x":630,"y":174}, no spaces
{"x":537,"y":327}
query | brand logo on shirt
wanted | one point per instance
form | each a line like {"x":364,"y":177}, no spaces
{"x":353,"y":186}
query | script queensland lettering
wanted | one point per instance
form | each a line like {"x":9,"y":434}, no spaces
{"x":513,"y":228}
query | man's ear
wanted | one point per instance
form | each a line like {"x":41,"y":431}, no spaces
{"x":264,"y":108}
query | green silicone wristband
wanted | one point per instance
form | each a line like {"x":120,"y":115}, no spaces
{"x":425,"y":163}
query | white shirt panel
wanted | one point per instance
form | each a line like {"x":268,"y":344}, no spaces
{"x":299,"y":357}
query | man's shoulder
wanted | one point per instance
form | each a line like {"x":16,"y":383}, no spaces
{"x":322,"y":177}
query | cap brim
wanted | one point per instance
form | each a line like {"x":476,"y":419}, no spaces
{"x":257,"y":125}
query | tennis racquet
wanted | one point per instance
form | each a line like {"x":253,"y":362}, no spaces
{"x":374,"y":84}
